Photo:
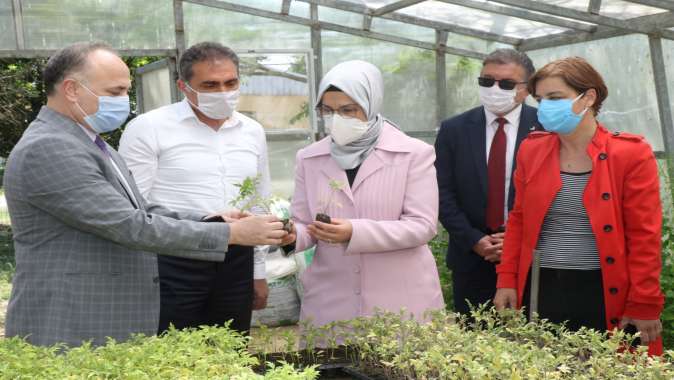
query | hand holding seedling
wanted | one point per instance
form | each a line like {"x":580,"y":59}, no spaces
{"x":257,"y":230}
{"x":339,"y":231}
{"x":649,"y":330}
{"x":292,"y":234}
{"x":229,"y":215}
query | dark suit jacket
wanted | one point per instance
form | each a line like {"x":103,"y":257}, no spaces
{"x":462,"y":177}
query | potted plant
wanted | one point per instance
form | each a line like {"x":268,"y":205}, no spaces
{"x":335,"y":186}
{"x":250,"y":200}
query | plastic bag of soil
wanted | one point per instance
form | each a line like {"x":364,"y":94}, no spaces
{"x":283,"y":304}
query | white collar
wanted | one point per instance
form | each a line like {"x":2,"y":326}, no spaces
{"x":92,"y":135}
{"x":513,"y":117}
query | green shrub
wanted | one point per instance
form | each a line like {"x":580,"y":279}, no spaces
{"x":207,"y":353}
{"x":439,"y":248}
{"x":496,"y":346}
{"x":667,"y":283}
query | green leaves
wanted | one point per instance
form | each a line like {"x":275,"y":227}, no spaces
{"x":207,"y":353}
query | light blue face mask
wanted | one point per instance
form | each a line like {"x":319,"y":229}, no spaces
{"x":112,"y":112}
{"x":558,"y":116}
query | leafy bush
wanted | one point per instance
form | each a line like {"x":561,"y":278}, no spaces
{"x":439,"y":248}
{"x":667,"y":283}
{"x":496,"y":346}
{"x":207,"y":353}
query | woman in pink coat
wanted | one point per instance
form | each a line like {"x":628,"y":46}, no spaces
{"x":373,"y":254}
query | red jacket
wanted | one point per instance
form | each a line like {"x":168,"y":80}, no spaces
{"x":623,"y":204}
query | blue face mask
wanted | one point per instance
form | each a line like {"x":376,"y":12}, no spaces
{"x":112,"y":113}
{"x":558,"y":116}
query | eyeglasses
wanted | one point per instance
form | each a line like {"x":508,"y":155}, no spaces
{"x":504,"y":84}
{"x":347,"y":111}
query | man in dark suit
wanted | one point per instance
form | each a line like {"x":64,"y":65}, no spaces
{"x":475,"y":163}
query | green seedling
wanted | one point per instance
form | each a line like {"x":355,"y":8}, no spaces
{"x":335,"y":186}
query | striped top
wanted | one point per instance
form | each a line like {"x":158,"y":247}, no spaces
{"x":566,"y":240}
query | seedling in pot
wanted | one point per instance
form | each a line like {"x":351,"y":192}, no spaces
{"x":250,"y":200}
{"x":335,"y":186}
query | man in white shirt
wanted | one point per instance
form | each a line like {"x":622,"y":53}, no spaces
{"x":189,"y":156}
{"x":475,"y":163}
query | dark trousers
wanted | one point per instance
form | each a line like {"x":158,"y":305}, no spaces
{"x":572,"y":296}
{"x":475,"y":287}
{"x":196,"y":293}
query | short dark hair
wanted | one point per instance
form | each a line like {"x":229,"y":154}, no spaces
{"x":578,"y":74}
{"x":204,"y":51}
{"x":69,"y":60}
{"x":506,"y":56}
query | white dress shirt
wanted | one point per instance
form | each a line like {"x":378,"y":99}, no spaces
{"x":510,"y":129}
{"x":182,"y":163}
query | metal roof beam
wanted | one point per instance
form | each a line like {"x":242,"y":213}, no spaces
{"x":662,"y":4}
{"x":594,"y":7}
{"x":662,"y":20}
{"x":395,"y":6}
{"x":556,"y":10}
{"x":523,"y":14}
{"x":285,"y":7}
{"x":407,"y":19}
{"x":46,"y":53}
{"x":333,"y":27}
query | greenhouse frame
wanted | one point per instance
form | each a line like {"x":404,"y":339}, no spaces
{"x":630,"y":41}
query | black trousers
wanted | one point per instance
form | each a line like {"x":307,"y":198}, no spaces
{"x":572,"y":296}
{"x":477,"y":287}
{"x":196,"y":293}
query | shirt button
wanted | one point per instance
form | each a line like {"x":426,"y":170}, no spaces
{"x":614,"y":321}
{"x":603,"y":156}
{"x":613,"y":290}
{"x":608,"y":228}
{"x":610,"y":260}
{"x":606,"y":196}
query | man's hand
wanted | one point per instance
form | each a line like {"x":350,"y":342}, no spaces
{"x":490,"y":247}
{"x":229,"y":215}
{"x":292,"y":235}
{"x":260,"y":294}
{"x":650,"y":329}
{"x":256,"y":230}
{"x":339,"y":231}
{"x":505,"y":298}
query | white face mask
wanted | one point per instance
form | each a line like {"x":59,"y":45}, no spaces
{"x":216,"y":105}
{"x":345,"y":130}
{"x":496,"y":100}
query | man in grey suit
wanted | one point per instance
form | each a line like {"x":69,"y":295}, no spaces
{"x":85,"y":238}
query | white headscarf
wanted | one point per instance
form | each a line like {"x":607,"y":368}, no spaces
{"x":362,"y":82}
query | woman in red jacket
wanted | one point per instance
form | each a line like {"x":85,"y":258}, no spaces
{"x":587,"y":202}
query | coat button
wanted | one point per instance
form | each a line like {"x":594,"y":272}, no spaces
{"x":613,"y":290}
{"x":155,"y":280}
{"x":616,"y":133}
{"x":610,"y":260}
{"x":614,"y":321}
{"x":608,"y":228}
{"x":602,"y":156}
{"x":357,"y":292}
{"x":606,"y":196}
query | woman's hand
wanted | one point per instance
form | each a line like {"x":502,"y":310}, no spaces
{"x":650,"y":329}
{"x":505,"y":298}
{"x":339,"y":231}
{"x":292,"y":235}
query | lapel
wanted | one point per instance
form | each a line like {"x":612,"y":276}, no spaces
{"x":332,"y":171}
{"x":109,"y":171}
{"x":528,"y":124}
{"x":125,"y":173}
{"x":477,"y":134}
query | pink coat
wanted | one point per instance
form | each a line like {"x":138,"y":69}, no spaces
{"x":393,"y":206}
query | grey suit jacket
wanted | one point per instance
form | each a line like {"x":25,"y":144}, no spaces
{"x":85,"y":268}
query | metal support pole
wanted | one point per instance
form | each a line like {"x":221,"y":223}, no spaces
{"x":535,"y":284}
{"x":317,"y":47}
{"x":594,"y":7}
{"x":440,"y":76}
{"x":18,"y":24}
{"x":179,"y":27}
{"x":664,"y":104}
